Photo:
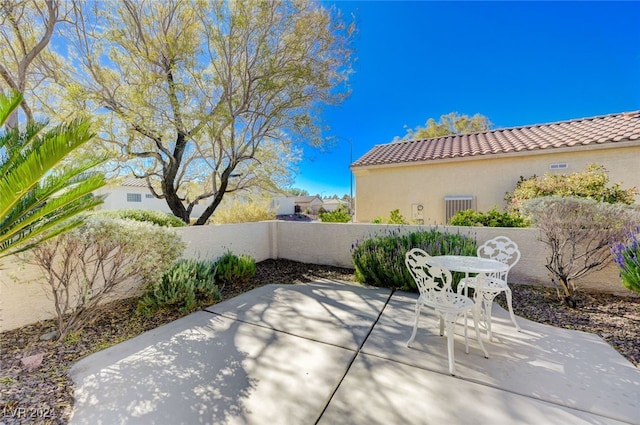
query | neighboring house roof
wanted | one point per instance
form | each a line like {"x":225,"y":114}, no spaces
{"x":332,"y":201}
{"x":305,"y":199}
{"x":585,"y":131}
{"x":134,"y":182}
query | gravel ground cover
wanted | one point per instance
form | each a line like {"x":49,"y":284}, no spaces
{"x":44,"y":394}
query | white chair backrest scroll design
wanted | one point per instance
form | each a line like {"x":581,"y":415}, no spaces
{"x":502,"y":249}
{"x":433,"y":280}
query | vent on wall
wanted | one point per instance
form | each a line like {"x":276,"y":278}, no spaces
{"x":453,"y":204}
{"x":559,"y":166}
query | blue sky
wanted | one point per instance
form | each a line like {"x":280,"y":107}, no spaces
{"x":518,"y":63}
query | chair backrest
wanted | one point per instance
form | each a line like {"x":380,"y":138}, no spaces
{"x":432,"y":279}
{"x":502,"y":249}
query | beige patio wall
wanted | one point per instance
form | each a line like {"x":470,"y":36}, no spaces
{"x":24,"y":300}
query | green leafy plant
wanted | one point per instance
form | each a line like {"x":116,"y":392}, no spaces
{"x":592,"y":182}
{"x":337,"y":216}
{"x":493,"y":218}
{"x":188,"y":285}
{"x":394,"y":218}
{"x":627,"y":257}
{"x":235,"y":270}
{"x":379,"y":260}
{"x":149,"y":216}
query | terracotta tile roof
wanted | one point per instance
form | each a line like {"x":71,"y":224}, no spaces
{"x":585,"y":131}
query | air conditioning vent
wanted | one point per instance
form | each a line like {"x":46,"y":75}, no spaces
{"x":453,"y":204}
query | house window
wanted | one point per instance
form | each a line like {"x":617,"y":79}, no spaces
{"x":559,"y":166}
{"x":148,"y":196}
{"x":453,"y":204}
{"x":134,"y":197}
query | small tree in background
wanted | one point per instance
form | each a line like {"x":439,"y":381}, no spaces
{"x":449,"y":124}
{"x":592,"y":183}
{"x":579,"y":233}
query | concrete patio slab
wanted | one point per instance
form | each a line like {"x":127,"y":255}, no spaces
{"x":207,"y":369}
{"x":381,"y":391}
{"x":335,"y":353}
{"x":564,"y":367}
{"x":335,"y":313}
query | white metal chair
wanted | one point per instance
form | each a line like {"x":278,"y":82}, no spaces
{"x":502,"y":249}
{"x":434,"y":285}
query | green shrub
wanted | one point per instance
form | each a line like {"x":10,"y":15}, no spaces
{"x":188,"y":285}
{"x":493,"y":218}
{"x":233,"y":269}
{"x":148,"y":216}
{"x":394,"y":218}
{"x":592,"y":182}
{"x":379,"y":260}
{"x":627,"y":257}
{"x":337,"y":216}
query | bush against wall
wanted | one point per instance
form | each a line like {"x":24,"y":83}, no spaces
{"x":337,"y":216}
{"x":579,"y":233}
{"x":148,"y":216}
{"x":84,"y":267}
{"x":394,"y":218}
{"x":493,"y":218}
{"x":379,"y":260}
{"x":187,"y":286}
{"x":234,"y":269}
{"x":592,"y":183}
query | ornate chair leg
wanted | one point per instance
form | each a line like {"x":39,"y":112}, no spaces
{"x":507,"y":293}
{"x":415,"y":324}
{"x":488,"y":305}
{"x":476,"y":324}
{"x":450,"y":335}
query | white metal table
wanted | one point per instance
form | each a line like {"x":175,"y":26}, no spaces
{"x":471,"y":264}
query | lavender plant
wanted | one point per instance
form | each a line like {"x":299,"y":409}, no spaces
{"x":627,"y":257}
{"x":379,"y":260}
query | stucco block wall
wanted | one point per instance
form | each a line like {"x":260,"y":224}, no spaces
{"x":213,"y":241}
{"x":24,"y":298}
{"x":383,"y":189}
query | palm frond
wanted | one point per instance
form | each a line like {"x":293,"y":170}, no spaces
{"x":40,"y":197}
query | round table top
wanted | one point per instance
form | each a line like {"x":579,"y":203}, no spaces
{"x":470,"y":264}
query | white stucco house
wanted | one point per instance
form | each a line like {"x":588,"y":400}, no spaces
{"x":133,"y":193}
{"x":333,"y":204}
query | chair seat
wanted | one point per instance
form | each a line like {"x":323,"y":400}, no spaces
{"x":457,"y":303}
{"x":491,"y":283}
